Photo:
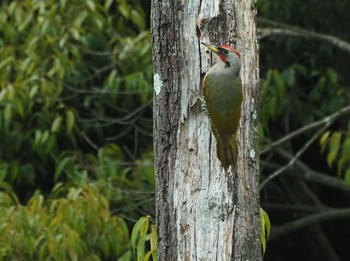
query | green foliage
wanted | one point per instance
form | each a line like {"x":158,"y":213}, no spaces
{"x":75,"y":78}
{"x":76,"y":225}
{"x":337,"y":145}
{"x":274,"y":89}
{"x":75,"y":109}
{"x":142,"y":233}
{"x":289,"y":105}
{"x":285,"y":100}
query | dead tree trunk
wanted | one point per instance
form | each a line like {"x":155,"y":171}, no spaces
{"x":202,"y":212}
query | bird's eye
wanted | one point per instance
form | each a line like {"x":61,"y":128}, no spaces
{"x":225,"y":52}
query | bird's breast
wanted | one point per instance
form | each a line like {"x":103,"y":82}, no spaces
{"x":223,"y":92}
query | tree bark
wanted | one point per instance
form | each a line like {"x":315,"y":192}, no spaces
{"x":202,"y":212}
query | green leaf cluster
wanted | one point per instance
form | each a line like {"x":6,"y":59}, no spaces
{"x":337,"y":146}
{"x":142,"y":233}
{"x":295,"y":96}
{"x":73,"y":224}
{"x":75,"y":126}
{"x":75,"y":84}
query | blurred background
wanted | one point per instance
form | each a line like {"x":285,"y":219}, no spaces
{"x":76,"y":159}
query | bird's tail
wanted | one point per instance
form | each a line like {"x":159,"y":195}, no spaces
{"x":227,"y":152}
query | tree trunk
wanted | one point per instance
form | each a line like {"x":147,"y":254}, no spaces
{"x":202,"y":212}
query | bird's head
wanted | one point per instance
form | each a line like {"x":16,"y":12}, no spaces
{"x":225,"y":54}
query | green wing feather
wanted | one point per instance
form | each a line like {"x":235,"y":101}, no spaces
{"x":224,"y":110}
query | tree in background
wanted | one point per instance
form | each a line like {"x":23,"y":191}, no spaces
{"x":75,"y":127}
{"x":75,"y":82}
{"x":304,"y":127}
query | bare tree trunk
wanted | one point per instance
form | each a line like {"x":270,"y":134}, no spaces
{"x":202,"y":212}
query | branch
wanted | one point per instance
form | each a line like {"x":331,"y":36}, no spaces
{"x":284,"y":29}
{"x":308,"y":174}
{"x":284,"y":230}
{"x":297,"y":155}
{"x":295,"y":208}
{"x":326,"y":120}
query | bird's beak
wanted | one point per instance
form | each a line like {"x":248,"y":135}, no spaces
{"x":211,"y":48}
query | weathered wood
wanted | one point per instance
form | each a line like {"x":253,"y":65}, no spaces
{"x":202,"y":212}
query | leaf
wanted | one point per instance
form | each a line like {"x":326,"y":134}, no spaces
{"x":262,"y":233}
{"x":136,"y":231}
{"x":8,"y":114}
{"x":35,"y":204}
{"x":91,"y":5}
{"x":265,"y":227}
{"x":74,"y":193}
{"x":19,"y":107}
{"x":108,"y":4}
{"x":124,"y":9}
{"x":51,"y":141}
{"x":104,"y":245}
{"x":334,"y":146}
{"x":149,"y":253}
{"x":5,"y":62}
{"x":289,"y":76}
{"x":267,"y":223}
{"x":12,"y":7}
{"x":346,"y":148}
{"x":111,"y":79}
{"x":141,"y":249}
{"x":75,"y":33}
{"x":70,"y":121}
{"x":144,"y":227}
{"x":125,"y":257}
{"x":63,"y":4}
{"x":332,"y":76}
{"x":331,"y":157}
{"x":33,"y":91}
{"x":45,"y":136}
{"x":79,"y":20}
{"x":347,"y":177}
{"x":154,"y":242}
{"x":324,"y":140}
{"x":340,"y":165}
{"x":43,"y":252}
{"x":63,"y":41}
{"x":137,"y":19}
{"x":37,"y":139}
{"x":79,"y":177}
{"x":61,"y":166}
{"x":25,"y":22}
{"x":56,"y":124}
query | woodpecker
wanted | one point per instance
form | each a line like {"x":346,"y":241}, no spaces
{"x":222,"y":91}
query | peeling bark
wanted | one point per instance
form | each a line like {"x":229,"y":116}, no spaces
{"x":202,"y":212}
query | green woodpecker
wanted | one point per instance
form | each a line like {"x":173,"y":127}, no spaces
{"x":222,"y":90}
